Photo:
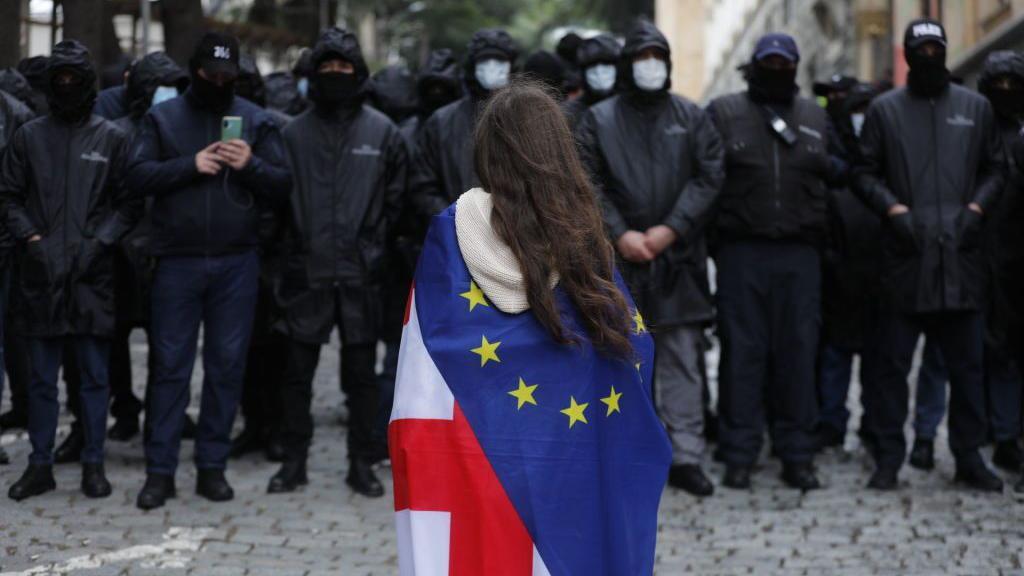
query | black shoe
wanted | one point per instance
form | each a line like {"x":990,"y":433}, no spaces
{"x":828,"y":437}
{"x":4,"y":459}
{"x":288,"y":478}
{"x":737,"y":477}
{"x":70,"y":450}
{"x":800,"y":476}
{"x":690,"y":478}
{"x":188,"y":430}
{"x":156,"y":492}
{"x":14,"y":420}
{"x":250,"y":440}
{"x":1008,"y":456}
{"x":212,"y":485}
{"x":362,"y":479}
{"x":977,"y":476}
{"x":275,"y":451}
{"x":37,"y":479}
{"x":922,"y":455}
{"x":94,"y":481}
{"x":124,"y":429}
{"x":885,"y":478}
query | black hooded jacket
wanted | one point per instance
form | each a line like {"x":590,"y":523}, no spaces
{"x":12,"y":82}
{"x":195,"y":214}
{"x":147,"y":74}
{"x":63,"y":182}
{"x":656,"y":159}
{"x":349,"y":167}
{"x":601,"y":49}
{"x":444,"y":150}
{"x":393,"y":92}
{"x":935,"y":156}
{"x":441,"y":74}
{"x":33,"y":69}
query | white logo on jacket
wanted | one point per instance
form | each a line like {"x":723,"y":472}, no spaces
{"x":95,"y":156}
{"x":960,"y":120}
{"x":366,"y":150}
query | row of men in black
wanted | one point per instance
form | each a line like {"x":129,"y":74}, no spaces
{"x":769,"y":271}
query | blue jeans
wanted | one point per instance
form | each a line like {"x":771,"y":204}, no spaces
{"x":930,"y":406}
{"x":93,"y":355}
{"x":835,"y":368}
{"x":219,"y":292}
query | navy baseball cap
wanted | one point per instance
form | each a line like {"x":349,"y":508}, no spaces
{"x":777,"y":45}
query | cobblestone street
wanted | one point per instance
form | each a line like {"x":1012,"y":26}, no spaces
{"x":927,"y":528}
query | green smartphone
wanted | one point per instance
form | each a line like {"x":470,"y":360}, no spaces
{"x":230,"y":128}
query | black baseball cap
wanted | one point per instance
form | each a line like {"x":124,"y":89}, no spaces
{"x":217,"y":53}
{"x":776,"y":45}
{"x":922,"y":31}
{"x":837,"y":83}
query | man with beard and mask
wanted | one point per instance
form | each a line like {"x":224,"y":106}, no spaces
{"x":34,"y":70}
{"x":207,"y":197}
{"x":444,"y":151}
{"x":67,"y":209}
{"x":349,"y":162}
{"x":598,"y":59}
{"x":770,"y":226}
{"x":264,"y":370}
{"x":932,"y":166}
{"x":658,"y":162}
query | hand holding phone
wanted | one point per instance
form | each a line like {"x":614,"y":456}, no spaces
{"x":208,"y":160}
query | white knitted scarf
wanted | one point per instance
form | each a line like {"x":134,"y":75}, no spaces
{"x":491,"y":262}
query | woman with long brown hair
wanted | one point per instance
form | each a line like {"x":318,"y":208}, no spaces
{"x":523,"y":436}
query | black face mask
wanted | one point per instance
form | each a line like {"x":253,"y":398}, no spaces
{"x":773,"y":85}
{"x":928,"y":75}
{"x":211,"y":96}
{"x":1007,"y":102}
{"x":72,"y":102}
{"x":437,"y":96}
{"x":331,"y":90}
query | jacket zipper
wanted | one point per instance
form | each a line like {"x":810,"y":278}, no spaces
{"x":775,"y":174}
{"x":64,"y":242}
{"x":938,"y":207}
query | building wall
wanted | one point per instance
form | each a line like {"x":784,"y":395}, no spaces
{"x":684,"y":24}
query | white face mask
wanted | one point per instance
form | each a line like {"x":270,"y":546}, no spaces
{"x":650,"y":74}
{"x":857,"y":120}
{"x":601,"y":77}
{"x":163,"y":94}
{"x":493,"y":74}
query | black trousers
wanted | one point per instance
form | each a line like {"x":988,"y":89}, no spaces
{"x":358,"y":381}
{"x":264,"y":369}
{"x":887,"y":363}
{"x":769,"y":307}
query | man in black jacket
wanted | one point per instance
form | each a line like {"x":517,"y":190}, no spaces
{"x":770,"y":225}
{"x":444,"y":152}
{"x":438,"y":83}
{"x":207,"y":195}
{"x":933,"y":168}
{"x":349,"y":164}
{"x":658,"y":162}
{"x":65,"y":204}
{"x":598,"y":58}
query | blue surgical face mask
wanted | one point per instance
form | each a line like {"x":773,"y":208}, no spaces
{"x":650,"y":74}
{"x":303,"y":86}
{"x":601,"y":77}
{"x":493,"y":74}
{"x":163,"y":94}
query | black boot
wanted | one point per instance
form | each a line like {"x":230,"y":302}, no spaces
{"x":288,"y":478}
{"x":690,"y":478}
{"x":37,"y":479}
{"x":212,"y":485}
{"x":973,"y":473}
{"x":922,"y":455}
{"x":4,"y":459}
{"x":13,"y":420}
{"x":124,"y":429}
{"x":250,"y":440}
{"x":362,"y":479}
{"x":1008,"y":456}
{"x":885,"y":478}
{"x":94,"y":481}
{"x":70,"y":450}
{"x":188,"y":430}
{"x":158,"y":489}
{"x":737,"y":477}
{"x":275,"y":451}
{"x":800,"y":475}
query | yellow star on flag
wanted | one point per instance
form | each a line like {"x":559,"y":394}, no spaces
{"x":524,"y":394}
{"x":475,"y":296}
{"x":487,"y":351}
{"x":575,"y":412}
{"x":612,"y":400}
{"x":641,"y":327}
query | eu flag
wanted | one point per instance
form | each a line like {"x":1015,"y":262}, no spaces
{"x":512,"y":454}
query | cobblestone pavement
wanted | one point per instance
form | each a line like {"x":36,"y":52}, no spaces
{"x":926,"y":528}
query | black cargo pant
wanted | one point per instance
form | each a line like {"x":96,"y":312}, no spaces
{"x":769,"y":308}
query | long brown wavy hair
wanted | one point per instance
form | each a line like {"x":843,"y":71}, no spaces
{"x":546,"y":210}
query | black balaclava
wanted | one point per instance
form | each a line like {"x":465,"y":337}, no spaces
{"x":928,"y":75}
{"x":1008,"y":103}
{"x":215,"y":52}
{"x":72,"y":102}
{"x":439,"y":82}
{"x":771,"y":85}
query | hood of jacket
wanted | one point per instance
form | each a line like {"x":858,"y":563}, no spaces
{"x":1000,"y":63}
{"x":393,"y":92}
{"x":250,"y":82}
{"x":283,"y":93}
{"x":339,"y":42}
{"x":148,"y":73}
{"x":644,"y":35}
{"x":487,"y":43}
{"x":601,"y":49}
{"x":72,"y":55}
{"x":440,"y":70}
{"x":12,"y":82}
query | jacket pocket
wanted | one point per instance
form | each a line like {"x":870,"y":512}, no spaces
{"x":95,"y":261}
{"x":36,"y":272}
{"x":903,"y":237}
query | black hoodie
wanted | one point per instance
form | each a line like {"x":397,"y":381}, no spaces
{"x":601,"y":49}
{"x":147,"y":74}
{"x":643,"y":36}
{"x":438,"y":84}
{"x":393,"y":92}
